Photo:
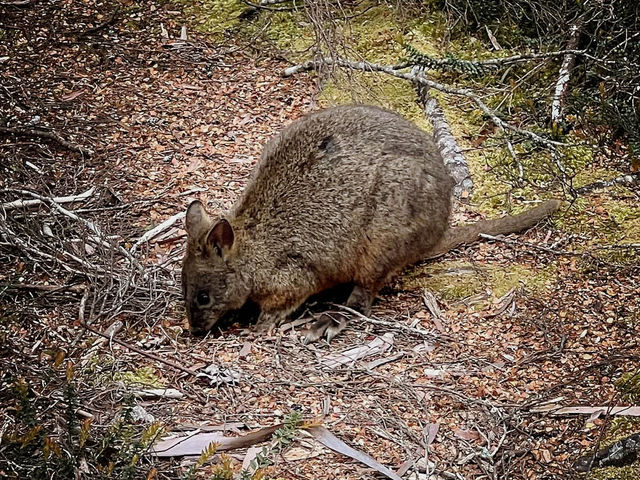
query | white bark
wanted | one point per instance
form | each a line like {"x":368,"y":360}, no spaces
{"x":452,"y":156}
{"x":564,"y":75}
{"x":32,"y":203}
{"x":157,"y":230}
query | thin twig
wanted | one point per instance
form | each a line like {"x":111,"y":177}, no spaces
{"x":51,"y":203}
{"x":133,"y":348}
{"x":32,"y":203}
{"x":50,"y":135}
{"x":530,"y":245}
{"x":17,"y":3}
{"x":17,"y":242}
{"x":48,"y":288}
{"x":398,"y":325}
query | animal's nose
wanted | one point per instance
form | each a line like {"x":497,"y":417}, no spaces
{"x":197,"y":331}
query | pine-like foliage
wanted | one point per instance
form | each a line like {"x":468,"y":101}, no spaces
{"x":449,"y":64}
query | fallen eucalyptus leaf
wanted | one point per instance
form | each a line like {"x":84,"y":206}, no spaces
{"x":195,"y":443}
{"x":329,"y":440}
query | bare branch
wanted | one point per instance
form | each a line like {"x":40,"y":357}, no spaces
{"x":15,"y":241}
{"x":412,"y":77}
{"x":156,"y":230}
{"x":629,"y":180}
{"x":267,"y":6}
{"x":144,"y":353}
{"x":528,"y":57}
{"x":32,"y":203}
{"x":17,"y":3}
{"x":50,"y":135}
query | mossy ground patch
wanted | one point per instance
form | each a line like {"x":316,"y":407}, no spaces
{"x":144,"y":376}
{"x":457,"y":280}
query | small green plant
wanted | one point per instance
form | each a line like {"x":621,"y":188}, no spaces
{"x":281,"y":439}
{"x":48,"y":440}
{"x":206,"y":455}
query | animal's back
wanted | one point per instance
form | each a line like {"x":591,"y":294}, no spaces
{"x":348,"y":194}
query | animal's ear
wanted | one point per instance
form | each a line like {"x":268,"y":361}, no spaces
{"x":197,"y":219}
{"x":220,"y":238}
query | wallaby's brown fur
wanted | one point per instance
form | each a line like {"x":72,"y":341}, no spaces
{"x":347,"y":195}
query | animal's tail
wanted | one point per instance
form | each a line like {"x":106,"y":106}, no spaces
{"x":501,"y":226}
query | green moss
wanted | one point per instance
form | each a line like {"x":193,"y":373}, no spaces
{"x":142,"y":376}
{"x":627,"y":216}
{"x":604,"y":222}
{"x":215,"y":16}
{"x":621,"y":427}
{"x":457,"y":280}
{"x":426,"y":33}
{"x":629,"y":387}
{"x":290,"y":31}
{"x":375,"y":35}
{"x":630,"y":472}
{"x":578,"y":158}
{"x":392,"y":93}
{"x":132,"y":25}
{"x":589,"y":175}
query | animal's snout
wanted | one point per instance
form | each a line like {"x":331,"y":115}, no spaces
{"x":198,"y":331}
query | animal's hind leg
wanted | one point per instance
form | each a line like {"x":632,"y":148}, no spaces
{"x":359,"y":300}
{"x":330,"y":324}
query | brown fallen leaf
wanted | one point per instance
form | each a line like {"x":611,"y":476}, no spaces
{"x":245,"y":350}
{"x":70,"y":96}
{"x":196,"y":443}
{"x":431,"y":303}
{"x":546,"y":455}
{"x":304,"y":451}
{"x":469,"y":435}
{"x":430,"y":431}
{"x":615,"y":411}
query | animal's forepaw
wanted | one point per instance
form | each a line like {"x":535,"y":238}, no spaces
{"x":328,"y":326}
{"x":267,"y":324}
{"x":265,"y":329}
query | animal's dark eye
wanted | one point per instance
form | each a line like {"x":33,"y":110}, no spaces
{"x":202,"y":298}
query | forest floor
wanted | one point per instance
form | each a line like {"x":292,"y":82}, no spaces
{"x":471,"y":391}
